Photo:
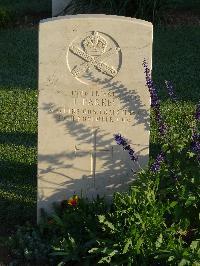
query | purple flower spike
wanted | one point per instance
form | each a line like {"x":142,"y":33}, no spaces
{"x":121,"y":141}
{"x":170,"y":89}
{"x":155,"y":103}
{"x":195,"y":144}
{"x":155,"y":167}
{"x":197,"y":114}
{"x":151,"y":86}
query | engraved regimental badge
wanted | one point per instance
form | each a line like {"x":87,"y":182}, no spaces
{"x":95,"y":57}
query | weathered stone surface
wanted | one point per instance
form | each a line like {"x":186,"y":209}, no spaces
{"x":58,"y":6}
{"x":91,"y":86}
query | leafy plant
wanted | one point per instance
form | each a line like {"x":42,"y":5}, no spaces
{"x":144,"y":9}
{"x":29,"y":245}
{"x":5,"y":17}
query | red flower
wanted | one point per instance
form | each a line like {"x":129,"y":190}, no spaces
{"x":73,"y":201}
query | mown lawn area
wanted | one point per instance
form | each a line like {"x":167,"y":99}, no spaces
{"x":18,"y":133}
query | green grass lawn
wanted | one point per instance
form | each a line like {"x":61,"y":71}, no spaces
{"x":175,"y":58}
{"x":18,"y":126}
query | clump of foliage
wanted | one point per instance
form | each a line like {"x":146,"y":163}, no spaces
{"x":29,"y":245}
{"x":5,"y":17}
{"x":144,"y":230}
{"x":66,"y":236}
{"x":151,"y":10}
{"x":152,"y":224}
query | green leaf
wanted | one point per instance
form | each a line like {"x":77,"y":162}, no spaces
{"x":184,"y":262}
{"x":191,"y":154}
{"x":159,"y":241}
{"x":171,"y":258}
{"x":194,"y":245}
{"x":190,"y":201}
{"x":139,"y":244}
{"x":104,"y":259}
{"x":61,"y":263}
{"x":72,"y":241}
{"x":173,"y":204}
{"x":137,"y":215}
{"x":108,"y":258}
{"x":127,"y":245}
{"x":165,"y":147}
{"x":93,"y":250}
{"x":102,"y":220}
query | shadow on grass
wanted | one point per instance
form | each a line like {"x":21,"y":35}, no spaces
{"x":10,"y":170}
{"x":18,"y":138}
{"x":17,"y":194}
{"x":19,"y":58}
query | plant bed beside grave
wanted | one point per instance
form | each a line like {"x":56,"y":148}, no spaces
{"x":156,"y":222}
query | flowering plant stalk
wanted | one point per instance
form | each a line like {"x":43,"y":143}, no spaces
{"x":170,"y":89}
{"x":195,"y":143}
{"x":155,"y":103}
{"x":122,"y":141}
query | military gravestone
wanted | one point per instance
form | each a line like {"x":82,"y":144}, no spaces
{"x":91,"y":86}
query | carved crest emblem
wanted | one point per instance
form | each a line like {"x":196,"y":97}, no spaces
{"x":93,"y":53}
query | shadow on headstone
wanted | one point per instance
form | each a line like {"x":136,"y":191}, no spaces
{"x":115,"y":174}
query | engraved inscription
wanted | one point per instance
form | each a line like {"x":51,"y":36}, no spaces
{"x":93,"y":106}
{"x":95,"y":56}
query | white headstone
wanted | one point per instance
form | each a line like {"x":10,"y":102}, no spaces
{"x":91,"y":86}
{"x":58,"y":6}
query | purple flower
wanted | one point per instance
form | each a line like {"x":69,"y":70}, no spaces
{"x":161,"y":126}
{"x":170,"y":89}
{"x":195,"y":144}
{"x":132,"y":155}
{"x":149,"y":83}
{"x":121,"y":141}
{"x":155,"y":103}
{"x":155,"y":167}
{"x":197,"y":114}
